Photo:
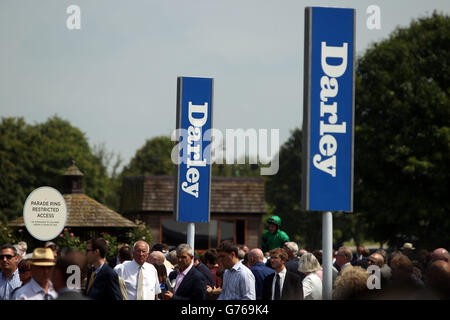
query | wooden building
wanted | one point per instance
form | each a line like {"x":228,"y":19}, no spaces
{"x":86,"y":217}
{"x":237,"y":206}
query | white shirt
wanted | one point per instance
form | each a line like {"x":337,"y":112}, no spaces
{"x":33,"y":291}
{"x":282,"y":275}
{"x":129,"y":272}
{"x":345,"y":266}
{"x":168,"y":270}
{"x":312,"y":287}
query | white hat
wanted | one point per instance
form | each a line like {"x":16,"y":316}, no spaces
{"x":408,"y":245}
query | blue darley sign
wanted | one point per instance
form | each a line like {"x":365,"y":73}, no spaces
{"x":328,"y":124}
{"x":194,"y":118}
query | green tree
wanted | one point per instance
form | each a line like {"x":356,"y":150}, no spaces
{"x":402,"y":138}
{"x":236,"y":170}
{"x":16,"y":160}
{"x":111,"y":161}
{"x":154,"y":158}
{"x":32,"y":156}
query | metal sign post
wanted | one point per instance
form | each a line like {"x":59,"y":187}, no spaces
{"x":328,"y":120}
{"x":191,"y":235}
{"x":327,"y":261}
{"x":193,"y":169}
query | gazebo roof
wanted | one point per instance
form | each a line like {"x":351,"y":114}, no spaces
{"x":73,"y":171}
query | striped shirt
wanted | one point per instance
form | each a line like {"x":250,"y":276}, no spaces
{"x":8,"y":285}
{"x":238,"y":284}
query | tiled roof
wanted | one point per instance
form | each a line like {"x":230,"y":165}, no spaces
{"x":228,"y":194}
{"x":73,"y":171}
{"x":84,"y":211}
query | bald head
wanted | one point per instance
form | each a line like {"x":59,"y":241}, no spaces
{"x":140,"y":252}
{"x":141,"y":243}
{"x":438,"y":277}
{"x":377,"y":259}
{"x":254,"y":256}
{"x":156,"y":256}
{"x":440,"y":254}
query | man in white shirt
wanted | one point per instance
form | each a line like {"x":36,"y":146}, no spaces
{"x":140,"y":277}
{"x":39,"y":287}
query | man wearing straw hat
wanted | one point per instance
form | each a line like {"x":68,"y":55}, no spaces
{"x":39,"y":287}
{"x":408,"y":250}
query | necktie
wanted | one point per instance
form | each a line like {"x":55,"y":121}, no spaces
{"x":48,"y":297}
{"x":91,"y":281}
{"x":276,"y":295}
{"x":140,"y":284}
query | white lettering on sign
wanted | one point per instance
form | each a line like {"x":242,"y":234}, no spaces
{"x":198,"y":115}
{"x":329,"y":112}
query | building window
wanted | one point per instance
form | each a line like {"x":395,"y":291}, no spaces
{"x":207,"y":235}
{"x":226,"y":230}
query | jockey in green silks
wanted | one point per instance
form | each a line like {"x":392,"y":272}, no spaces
{"x":273,"y":237}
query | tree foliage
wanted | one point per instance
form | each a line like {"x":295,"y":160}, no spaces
{"x":154,"y":158}
{"x":402,"y":139}
{"x":32,"y":156}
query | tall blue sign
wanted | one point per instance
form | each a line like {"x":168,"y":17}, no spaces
{"x":193,"y":172}
{"x":328,"y":111}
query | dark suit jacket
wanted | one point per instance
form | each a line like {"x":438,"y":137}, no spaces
{"x":193,"y":286}
{"x":292,"y":266}
{"x":260,"y":271}
{"x":106,"y":285}
{"x":204,"y":270}
{"x":292,"y":287}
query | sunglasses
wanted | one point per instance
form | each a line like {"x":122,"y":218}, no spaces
{"x":7,"y":256}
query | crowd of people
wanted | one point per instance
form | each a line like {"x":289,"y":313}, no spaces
{"x":279,"y":270}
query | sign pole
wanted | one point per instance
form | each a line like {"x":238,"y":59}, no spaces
{"x":327,"y":247}
{"x":191,"y":234}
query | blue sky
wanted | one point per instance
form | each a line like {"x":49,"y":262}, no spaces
{"x":115,"y":79}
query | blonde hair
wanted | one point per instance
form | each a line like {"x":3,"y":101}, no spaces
{"x":350,"y":284}
{"x":308,"y":263}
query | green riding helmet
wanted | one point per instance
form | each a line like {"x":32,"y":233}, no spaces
{"x":276,"y":220}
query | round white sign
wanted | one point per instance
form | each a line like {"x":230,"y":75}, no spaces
{"x":45,"y":213}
